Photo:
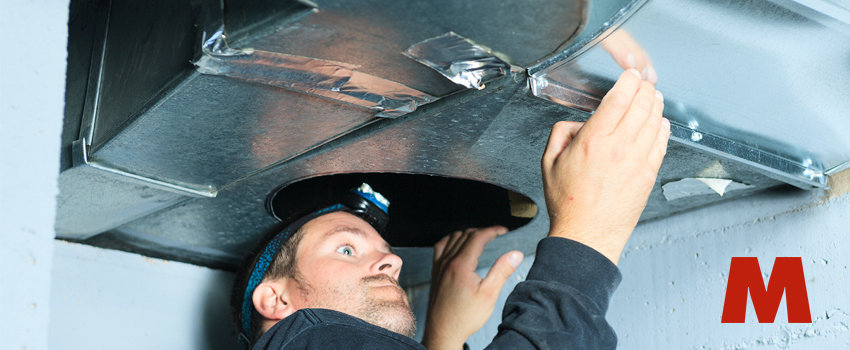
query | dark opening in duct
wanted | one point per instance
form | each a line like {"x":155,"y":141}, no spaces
{"x":423,"y":208}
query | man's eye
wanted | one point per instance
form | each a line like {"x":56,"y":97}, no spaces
{"x":345,"y":250}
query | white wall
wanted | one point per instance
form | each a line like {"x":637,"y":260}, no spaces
{"x":32,"y":86}
{"x":675,"y":272}
{"x":107,"y":299}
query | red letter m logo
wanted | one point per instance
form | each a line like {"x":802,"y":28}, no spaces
{"x":787,"y":276}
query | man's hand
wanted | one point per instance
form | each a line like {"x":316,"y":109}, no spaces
{"x":597,"y":177}
{"x":461,"y":302}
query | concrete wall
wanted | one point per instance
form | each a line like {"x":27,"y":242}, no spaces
{"x":675,"y":273}
{"x":106,"y":299}
{"x":32,"y":86}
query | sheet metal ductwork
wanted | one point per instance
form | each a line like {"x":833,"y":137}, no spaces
{"x":183,"y":116}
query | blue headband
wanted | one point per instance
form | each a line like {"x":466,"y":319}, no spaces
{"x":268,"y":255}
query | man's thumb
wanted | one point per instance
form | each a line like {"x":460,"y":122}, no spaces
{"x":501,"y":271}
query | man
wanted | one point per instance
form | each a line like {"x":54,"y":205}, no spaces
{"x":330,"y":281}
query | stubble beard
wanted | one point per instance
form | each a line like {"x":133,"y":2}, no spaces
{"x":391,"y":314}
{"x":394,"y":315}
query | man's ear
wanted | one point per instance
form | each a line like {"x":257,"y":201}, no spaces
{"x":272,"y":300}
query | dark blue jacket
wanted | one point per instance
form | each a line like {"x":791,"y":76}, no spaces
{"x":560,"y":305}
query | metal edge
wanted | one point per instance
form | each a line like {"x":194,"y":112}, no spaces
{"x":92,"y":99}
{"x":568,"y":42}
{"x":838,"y":168}
{"x":94,"y":85}
{"x":569,"y":52}
{"x":772,"y":165}
{"x":80,"y":157}
{"x":779,"y":168}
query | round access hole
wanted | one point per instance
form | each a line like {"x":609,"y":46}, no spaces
{"x":423,"y":208}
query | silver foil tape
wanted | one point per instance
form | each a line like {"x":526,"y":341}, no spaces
{"x":541,"y":86}
{"x":340,"y":82}
{"x":333,"y":80}
{"x":459,"y":59}
{"x":213,"y":36}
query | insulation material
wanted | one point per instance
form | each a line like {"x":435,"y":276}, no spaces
{"x":698,"y":186}
{"x":459,"y":59}
{"x":839,"y":184}
{"x":521,"y":206}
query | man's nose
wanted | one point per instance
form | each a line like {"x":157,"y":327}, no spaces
{"x":388,"y":264}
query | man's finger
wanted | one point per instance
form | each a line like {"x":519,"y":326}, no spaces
{"x":648,"y":134}
{"x":562,"y":133}
{"x":628,"y":54}
{"x":625,"y":51}
{"x":474,"y":246}
{"x":614,"y":105}
{"x":454,"y":247}
{"x":638,"y":112}
{"x":500,"y":272}
{"x":656,"y":155}
{"x":450,"y":245}
{"x":439,"y":247}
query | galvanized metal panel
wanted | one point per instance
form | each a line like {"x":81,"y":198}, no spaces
{"x":143,"y":47}
{"x":93,"y":201}
{"x":495,"y":135}
{"x":212,"y":131}
{"x":748,"y":79}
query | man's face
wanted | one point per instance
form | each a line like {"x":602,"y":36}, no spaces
{"x":346,"y":266}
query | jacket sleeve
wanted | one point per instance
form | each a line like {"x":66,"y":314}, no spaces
{"x":562,"y":302}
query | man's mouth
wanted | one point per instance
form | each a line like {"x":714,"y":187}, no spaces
{"x":378,"y":281}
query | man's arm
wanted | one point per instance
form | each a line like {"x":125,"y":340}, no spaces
{"x":597,"y":178}
{"x":562,"y":302}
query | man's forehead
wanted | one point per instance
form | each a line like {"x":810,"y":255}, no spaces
{"x":330,"y":221}
{"x":328,"y":225}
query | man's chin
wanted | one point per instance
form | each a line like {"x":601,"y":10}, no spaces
{"x":400,"y":320}
{"x":394,"y":315}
